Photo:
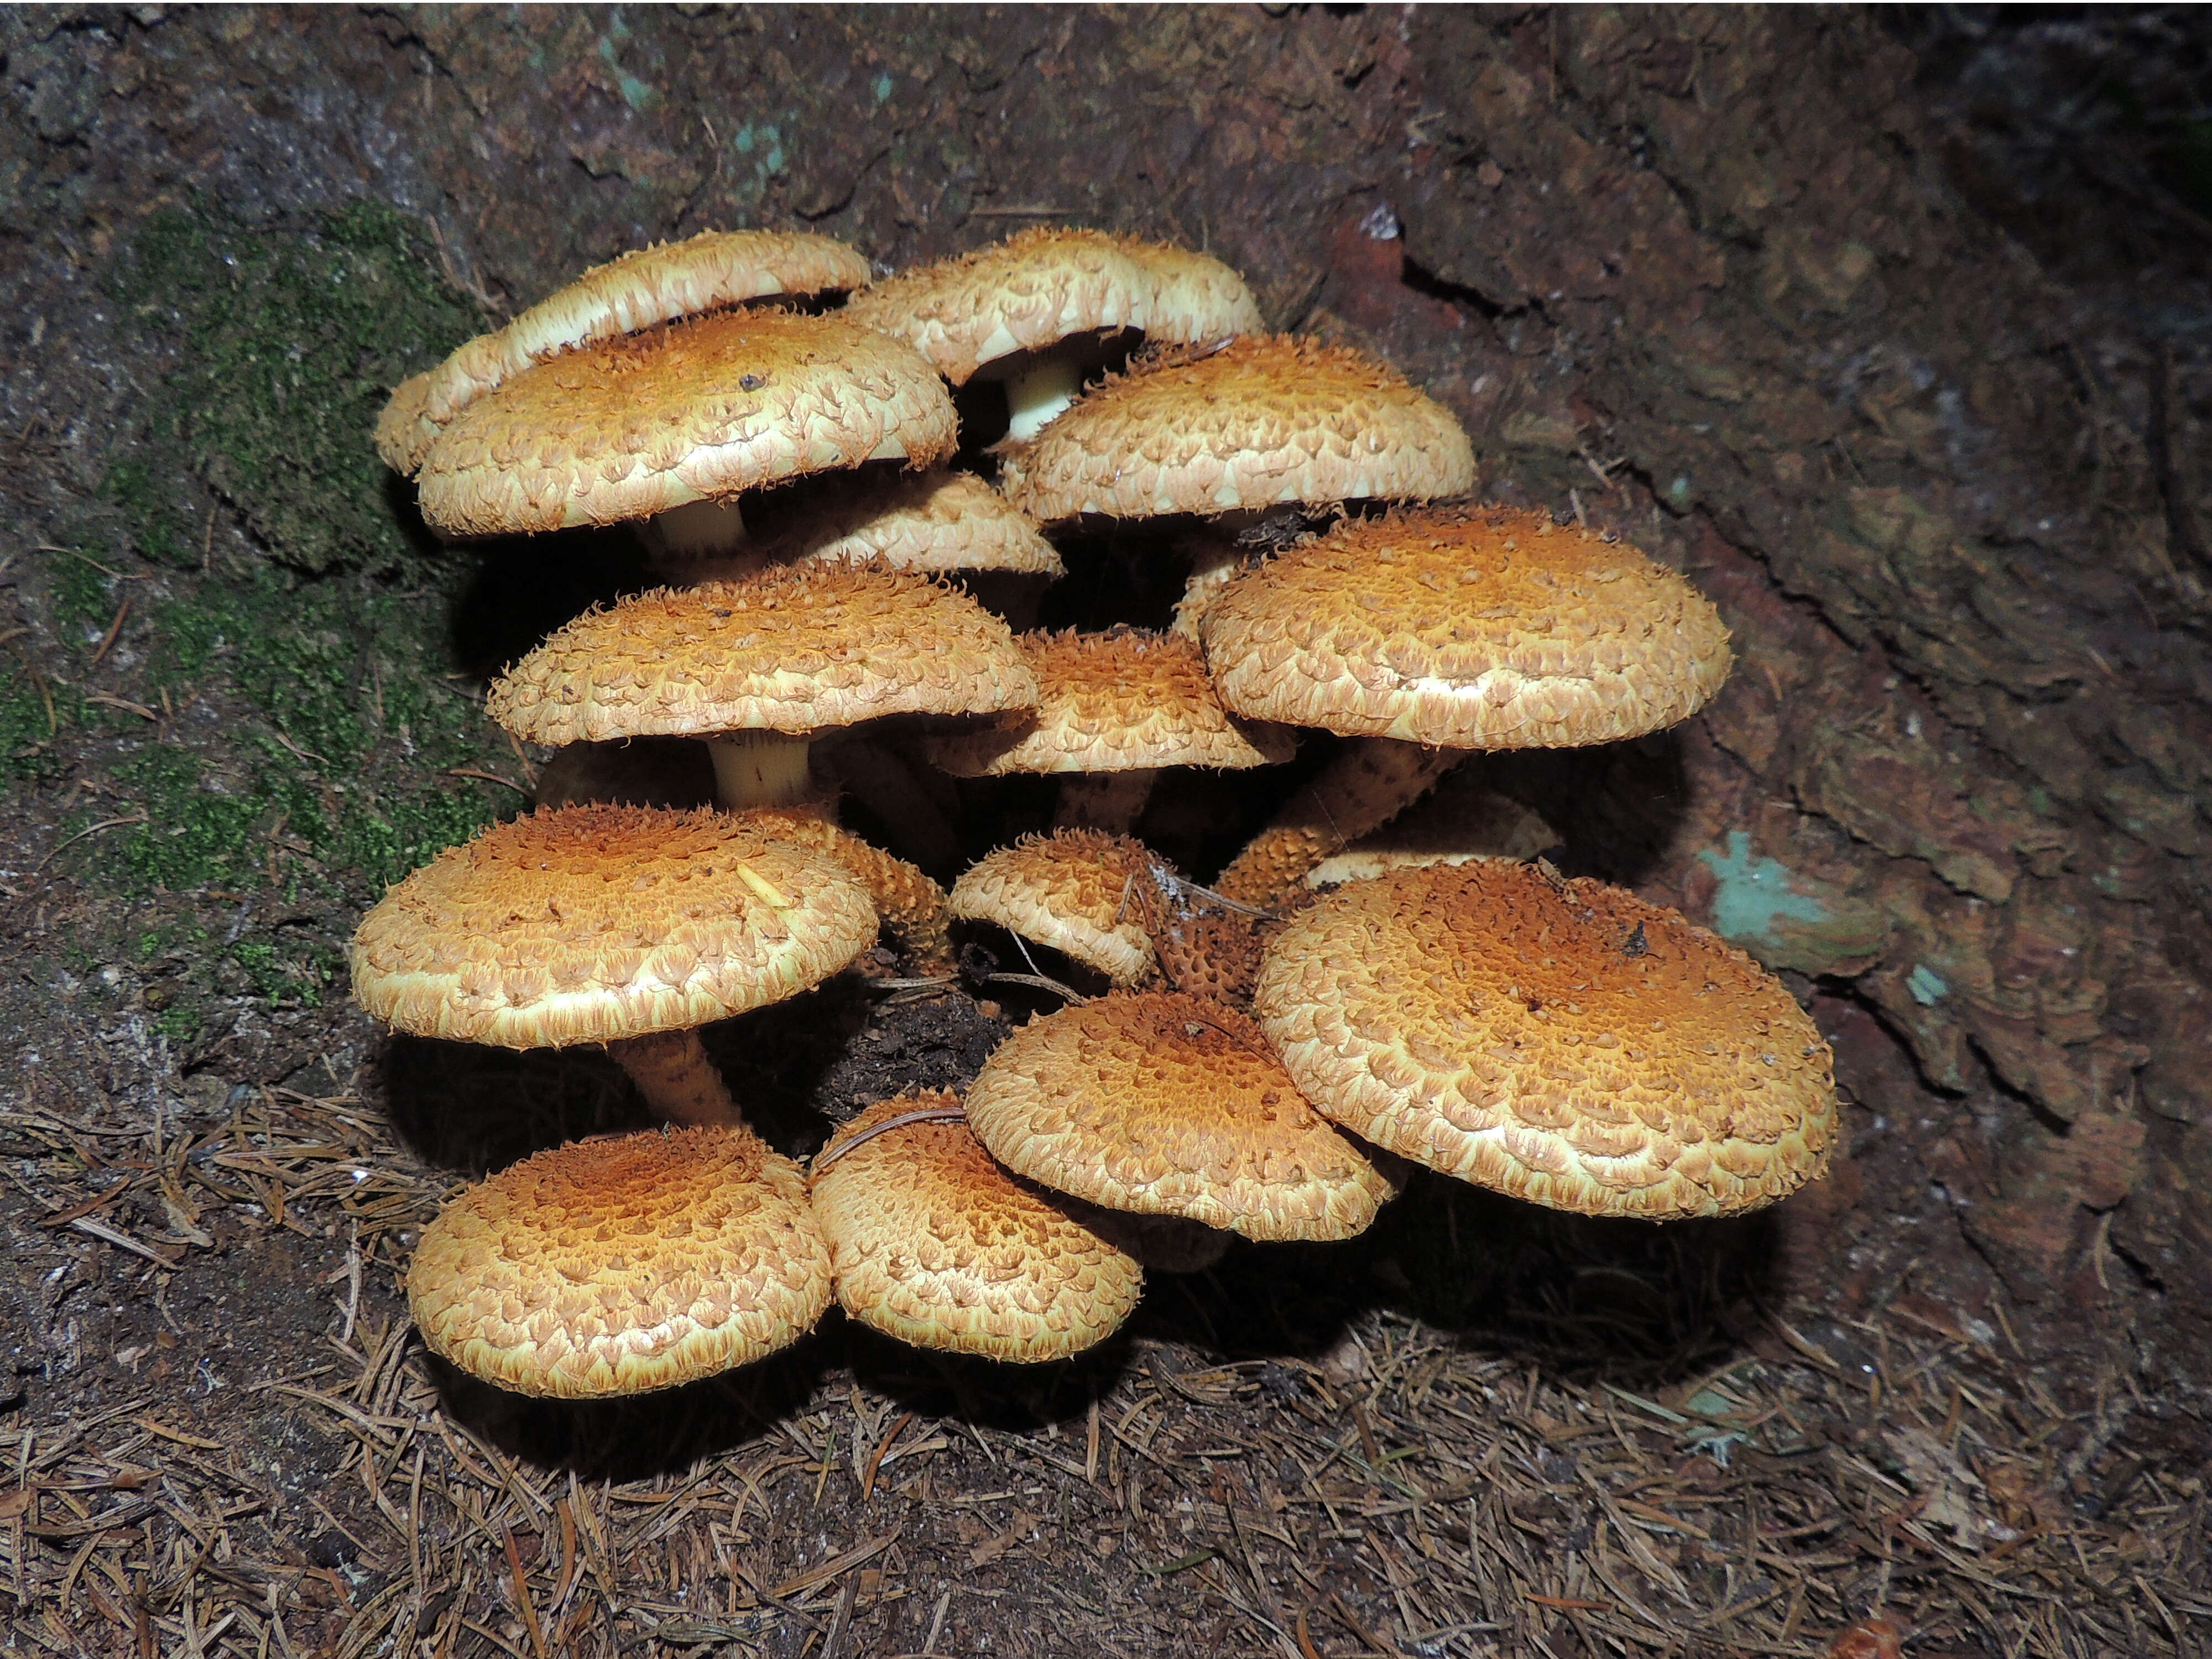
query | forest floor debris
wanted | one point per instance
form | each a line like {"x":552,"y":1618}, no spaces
{"x":1611,"y":1460}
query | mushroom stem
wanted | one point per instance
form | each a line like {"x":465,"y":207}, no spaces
{"x":1368,"y":784}
{"x":679,"y":1083}
{"x":699,"y":542}
{"x":760,"y":768}
{"x":698,"y":527}
{"x":1168,"y":1243}
{"x":1111,"y":801}
{"x":1041,"y":390}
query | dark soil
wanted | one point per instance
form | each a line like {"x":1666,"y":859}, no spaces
{"x":1896,"y":335}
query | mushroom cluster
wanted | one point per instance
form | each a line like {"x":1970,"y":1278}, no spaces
{"x":1274,"y":1051}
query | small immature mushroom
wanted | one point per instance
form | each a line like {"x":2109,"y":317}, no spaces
{"x":937,"y":522}
{"x":623,"y":926}
{"x":623,"y":1264}
{"x":647,"y":286}
{"x":1163,"y":1104}
{"x":933,"y":1243}
{"x":1112,"y":710}
{"x":1206,"y":946}
{"x":1069,"y":890}
{"x":672,"y":424}
{"x":1031,"y":311}
{"x":1561,"y":1041}
{"x":1436,"y":632}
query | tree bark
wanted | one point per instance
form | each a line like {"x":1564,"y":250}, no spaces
{"x":1700,"y":275}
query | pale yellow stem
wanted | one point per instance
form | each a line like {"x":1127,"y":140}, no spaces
{"x":679,"y":1083}
{"x":760,"y":768}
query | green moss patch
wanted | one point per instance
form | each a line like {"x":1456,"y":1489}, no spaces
{"x":288,"y":342}
{"x":343,"y":783}
{"x":34,"y":714}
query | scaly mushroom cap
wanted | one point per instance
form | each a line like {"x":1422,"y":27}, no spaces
{"x":691,"y":411}
{"x":588,"y":924}
{"x":1196,"y":299}
{"x":1488,"y":627}
{"x":400,"y":435}
{"x":1460,"y":822}
{"x":623,"y":1264}
{"x":935,"y":1245}
{"x":1161,"y":1104}
{"x":1069,"y":890}
{"x":1117,"y":702}
{"x":940,"y":521}
{"x":1040,"y":285}
{"x":1567,"y":1044}
{"x":637,"y":289}
{"x":1264,"y":420}
{"x":798,"y":649}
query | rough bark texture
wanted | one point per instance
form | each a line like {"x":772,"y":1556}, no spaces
{"x":1705,"y":276}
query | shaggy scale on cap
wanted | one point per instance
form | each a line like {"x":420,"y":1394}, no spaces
{"x":1560,"y":1042}
{"x":401,"y":436}
{"x":1484,"y":628}
{"x":1163,"y":1104}
{"x":933,"y":1243}
{"x":1117,"y":702}
{"x":940,"y":521}
{"x":692,"y":411}
{"x":1263,"y":419}
{"x":795,"y":650}
{"x":623,"y":1264}
{"x":1040,"y":285}
{"x":1068,"y":891}
{"x":590,"y":924}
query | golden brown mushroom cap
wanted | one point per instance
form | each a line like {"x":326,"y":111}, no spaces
{"x":1567,"y":1044}
{"x":1040,"y":285}
{"x":1488,"y":628}
{"x":1262,"y":420}
{"x":623,"y":1264}
{"x":1117,"y":702}
{"x":637,"y":289}
{"x":586,"y":924}
{"x":1161,"y":1104}
{"x":937,"y":522}
{"x":798,"y":649}
{"x":694,"y":410}
{"x":1067,"y":891}
{"x":935,"y":1245}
